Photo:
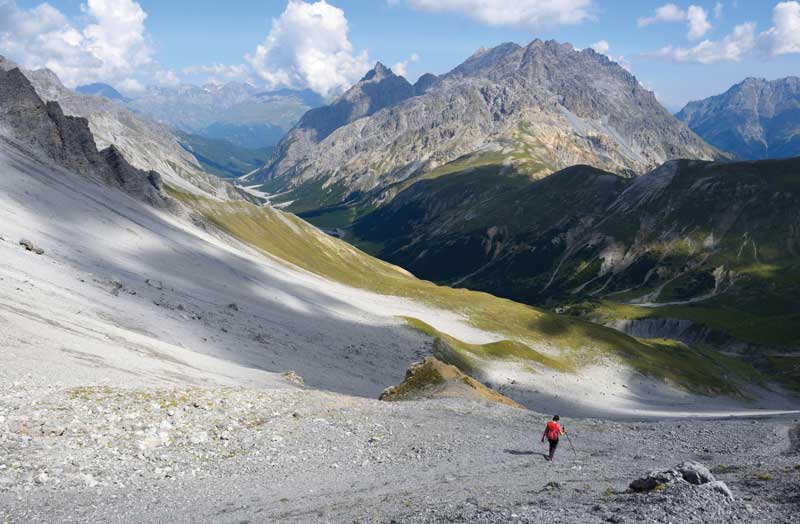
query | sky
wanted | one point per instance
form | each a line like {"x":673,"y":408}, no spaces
{"x":680,"y":50}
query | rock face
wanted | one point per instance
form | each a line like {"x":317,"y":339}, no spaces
{"x":755,"y":119}
{"x":146,"y":145}
{"x":541,"y":107}
{"x":432,"y":378}
{"x":41,"y":127}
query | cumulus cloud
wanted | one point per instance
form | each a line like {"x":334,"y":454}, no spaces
{"x":695,"y":16}
{"x":112,"y":46}
{"x":784,"y":37}
{"x":731,"y":48}
{"x":401,"y":68}
{"x":308,"y":46}
{"x":601,"y":47}
{"x":530,"y":14}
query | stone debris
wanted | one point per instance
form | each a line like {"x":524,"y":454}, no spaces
{"x":30,"y":246}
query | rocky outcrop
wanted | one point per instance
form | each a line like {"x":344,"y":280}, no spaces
{"x":544,"y":106}
{"x":42,"y":128}
{"x":432,"y":378}
{"x":754,"y":119}
{"x":692,"y":473}
{"x":144,"y":144}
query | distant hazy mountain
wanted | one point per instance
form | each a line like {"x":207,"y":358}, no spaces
{"x":101,"y":90}
{"x":754,"y":119}
{"x":237,"y":112}
{"x":223,"y":158}
{"x":540,"y":108}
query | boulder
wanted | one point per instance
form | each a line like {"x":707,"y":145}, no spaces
{"x":690,"y":474}
{"x":29,"y":246}
{"x":695,"y":473}
{"x":719,"y":487}
{"x":655,"y":479}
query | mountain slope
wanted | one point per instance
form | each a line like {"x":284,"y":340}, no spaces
{"x":755,"y":119}
{"x":539,"y":108}
{"x":721,"y":236}
{"x":146,"y":145}
{"x":176,"y":286}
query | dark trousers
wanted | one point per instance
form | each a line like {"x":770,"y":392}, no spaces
{"x":553,"y":446}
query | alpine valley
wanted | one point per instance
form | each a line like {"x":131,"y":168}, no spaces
{"x":236,"y":304}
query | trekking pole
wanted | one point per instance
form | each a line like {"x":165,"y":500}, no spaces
{"x":571,"y":446}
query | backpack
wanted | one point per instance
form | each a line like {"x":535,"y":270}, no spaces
{"x":553,"y":431}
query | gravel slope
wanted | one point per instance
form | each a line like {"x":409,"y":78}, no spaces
{"x":228,"y":455}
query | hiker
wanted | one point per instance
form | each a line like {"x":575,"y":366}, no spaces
{"x":553,"y":432}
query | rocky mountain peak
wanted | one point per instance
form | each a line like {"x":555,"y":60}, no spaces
{"x":378,"y":73}
{"x":43,"y":129}
{"x":754,"y":119}
{"x":545,"y":104}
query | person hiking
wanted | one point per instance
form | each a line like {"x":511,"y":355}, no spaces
{"x":552,"y":432}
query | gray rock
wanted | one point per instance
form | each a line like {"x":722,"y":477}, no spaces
{"x":383,"y":130}
{"x":754,"y":119}
{"x":695,"y":473}
{"x":719,"y":487}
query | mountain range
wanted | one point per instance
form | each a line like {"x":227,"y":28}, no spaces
{"x":240,"y":113}
{"x":169,"y":272}
{"x":754,"y":119}
{"x":535,"y":108}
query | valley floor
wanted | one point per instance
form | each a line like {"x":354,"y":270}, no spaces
{"x":229,"y":455}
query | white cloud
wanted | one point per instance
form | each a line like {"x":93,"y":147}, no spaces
{"x":308,"y":46}
{"x":718,"y":10}
{"x":780,"y":39}
{"x":530,"y":14}
{"x":219,"y":73}
{"x":112,"y":47}
{"x":698,"y":22}
{"x":695,"y":16}
{"x":601,"y":47}
{"x":665,"y":13}
{"x":784,"y":37}
{"x":731,"y":48}
{"x":401,"y":68}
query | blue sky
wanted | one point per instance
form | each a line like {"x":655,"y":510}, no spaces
{"x":157,"y":41}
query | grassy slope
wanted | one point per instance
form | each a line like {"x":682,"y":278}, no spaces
{"x":577,"y":343}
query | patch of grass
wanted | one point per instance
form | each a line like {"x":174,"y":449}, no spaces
{"x":765,"y":477}
{"x":508,"y":350}
{"x":579,"y":343}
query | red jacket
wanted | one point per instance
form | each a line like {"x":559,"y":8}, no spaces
{"x":553,"y":430}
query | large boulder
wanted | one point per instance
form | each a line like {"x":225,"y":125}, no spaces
{"x":691,"y":474}
{"x":695,"y":473}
